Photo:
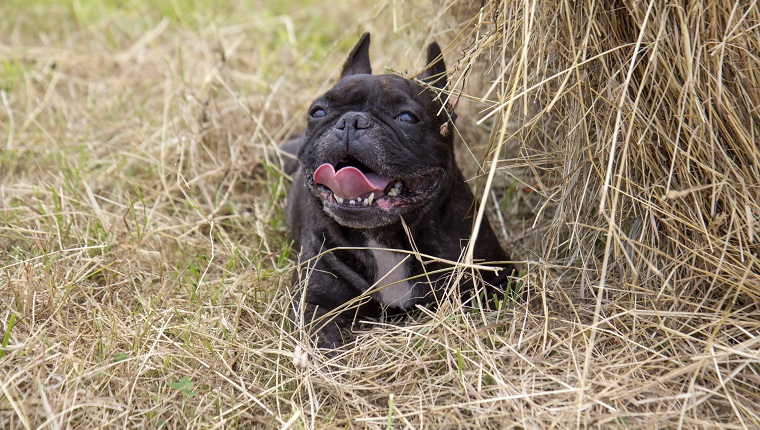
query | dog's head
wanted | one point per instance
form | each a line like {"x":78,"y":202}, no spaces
{"x":379,"y":147}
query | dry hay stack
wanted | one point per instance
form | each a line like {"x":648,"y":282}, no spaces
{"x":637,"y":126}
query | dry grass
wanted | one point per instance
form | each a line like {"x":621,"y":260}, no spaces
{"x":143,"y":263}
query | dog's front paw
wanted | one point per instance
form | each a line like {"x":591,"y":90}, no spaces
{"x":330,"y":336}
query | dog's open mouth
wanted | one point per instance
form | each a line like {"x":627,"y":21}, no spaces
{"x":352,"y":184}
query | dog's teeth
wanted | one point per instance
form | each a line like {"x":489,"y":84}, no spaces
{"x":339,"y":199}
{"x":396,"y":190}
{"x":358,"y":200}
{"x":370,"y":198}
{"x":365,"y":202}
{"x":352,"y":202}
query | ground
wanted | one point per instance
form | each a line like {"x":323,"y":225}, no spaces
{"x":145,"y":266}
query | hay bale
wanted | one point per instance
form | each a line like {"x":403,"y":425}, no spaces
{"x":636,"y":124}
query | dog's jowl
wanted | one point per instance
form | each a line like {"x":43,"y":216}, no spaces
{"x":377,"y":193}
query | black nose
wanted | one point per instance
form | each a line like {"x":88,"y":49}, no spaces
{"x":355,"y":120}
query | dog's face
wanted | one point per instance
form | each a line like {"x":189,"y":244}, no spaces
{"x":379,"y":147}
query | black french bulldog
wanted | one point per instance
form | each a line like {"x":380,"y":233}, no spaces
{"x":377,"y":174}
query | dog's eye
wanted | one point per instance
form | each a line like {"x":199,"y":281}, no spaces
{"x":407,"y":117}
{"x":317,"y":112}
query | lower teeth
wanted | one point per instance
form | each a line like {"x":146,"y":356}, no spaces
{"x":393,"y":192}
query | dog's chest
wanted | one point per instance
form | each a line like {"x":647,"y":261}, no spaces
{"x":391,"y":272}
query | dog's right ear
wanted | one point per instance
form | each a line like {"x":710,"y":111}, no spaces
{"x":358,"y":60}
{"x":435,"y":75}
{"x":435,"y":71}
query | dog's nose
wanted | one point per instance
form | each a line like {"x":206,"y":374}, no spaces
{"x":355,"y":120}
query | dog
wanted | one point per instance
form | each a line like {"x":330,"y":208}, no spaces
{"x":377,"y":205}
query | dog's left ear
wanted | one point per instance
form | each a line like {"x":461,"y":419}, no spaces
{"x":357,"y":62}
{"x":435,"y":75}
{"x":435,"y":71}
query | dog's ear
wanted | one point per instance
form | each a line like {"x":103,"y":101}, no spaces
{"x":435,"y":71}
{"x":358,"y":60}
{"x":435,"y":75}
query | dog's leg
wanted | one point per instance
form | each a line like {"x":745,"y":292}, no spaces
{"x":322,"y":328}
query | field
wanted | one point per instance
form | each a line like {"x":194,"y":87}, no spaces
{"x":145,"y":268}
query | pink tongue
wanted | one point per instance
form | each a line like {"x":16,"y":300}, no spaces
{"x":349,"y":182}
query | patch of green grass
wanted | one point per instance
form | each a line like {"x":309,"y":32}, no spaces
{"x":12,"y":70}
{"x":184,"y":386}
{"x":7,"y":335}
